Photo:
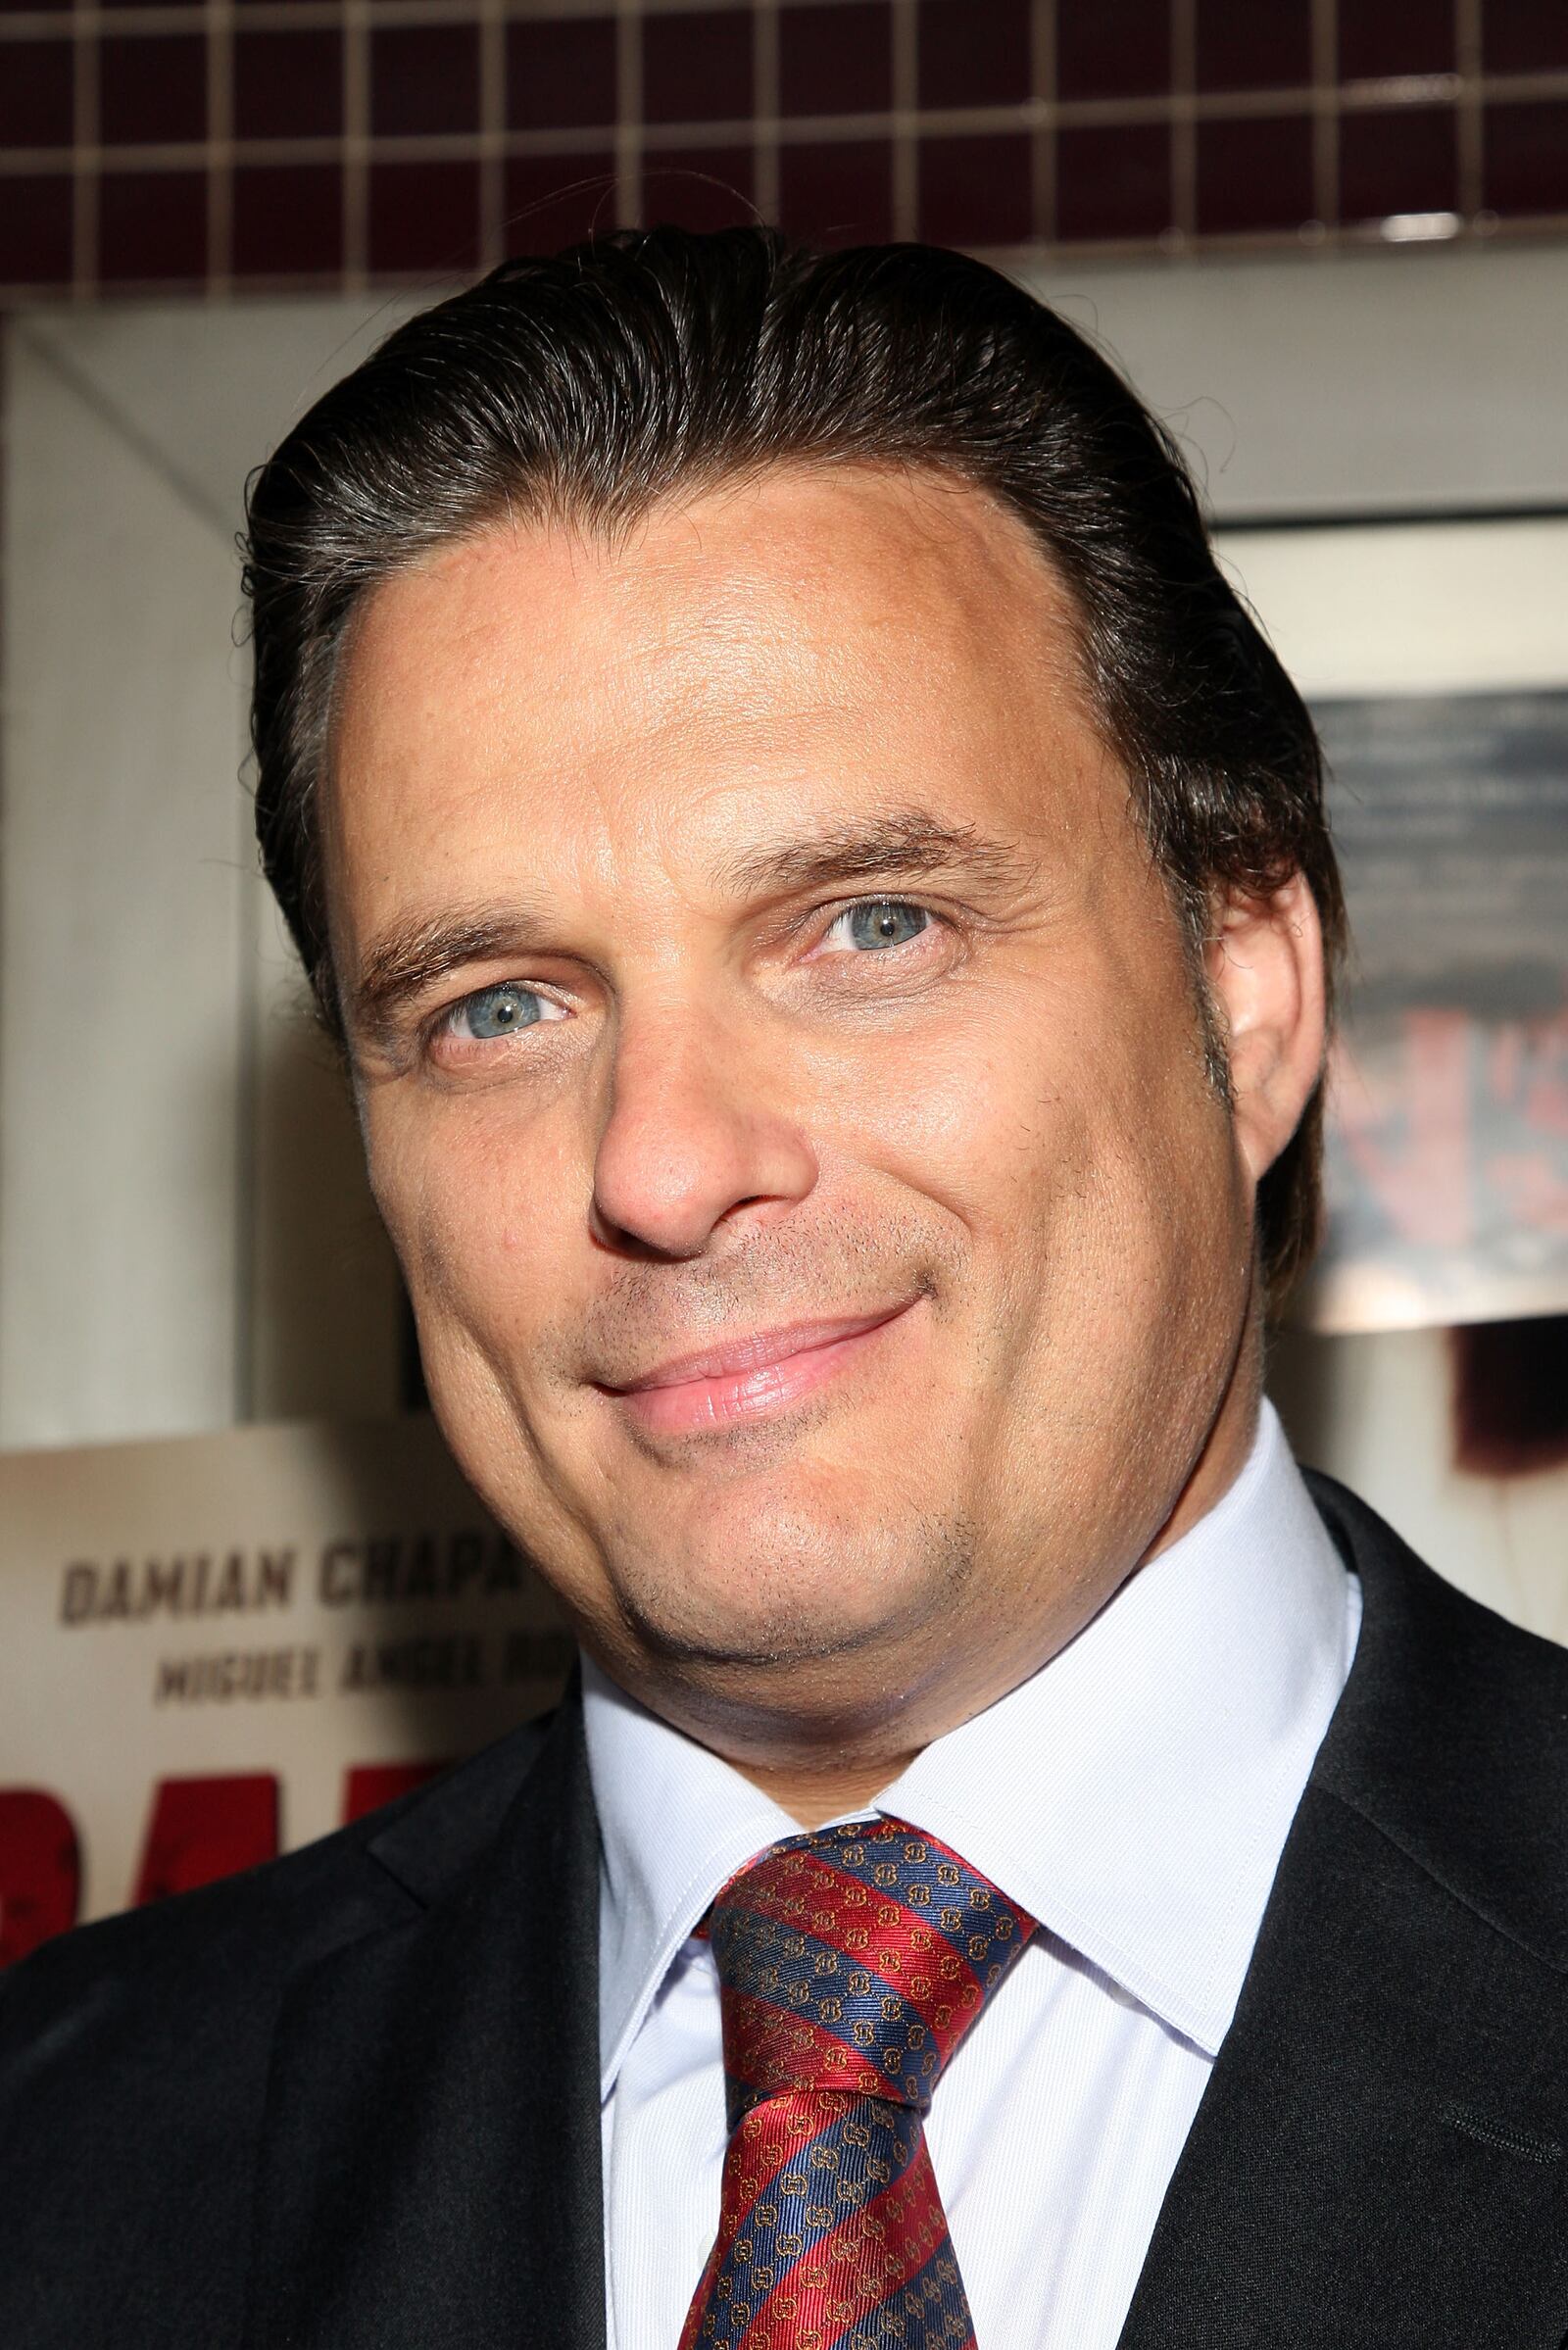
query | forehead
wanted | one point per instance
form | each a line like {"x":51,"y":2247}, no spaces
{"x":767,"y":655}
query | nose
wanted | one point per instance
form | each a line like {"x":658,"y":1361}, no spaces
{"x":694,"y":1133}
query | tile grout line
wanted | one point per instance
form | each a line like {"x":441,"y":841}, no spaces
{"x":936,"y":122}
{"x":1325,"y":114}
{"x":628,"y":113}
{"x":28,"y":24}
{"x":221,"y":145}
{"x":766,"y":90}
{"x":493,"y":102}
{"x":175,"y":16}
{"x":356,"y":144}
{"x":906,"y":108}
{"x":1183,"y":121}
{"x":1043,"y":136}
{"x":85,"y":130}
{"x":927,"y":122}
{"x":23,"y":295}
{"x":1471,"y":124}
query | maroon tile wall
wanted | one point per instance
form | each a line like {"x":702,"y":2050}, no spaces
{"x":835,"y":57}
{"x":152,"y":90}
{"x":198,"y":145}
{"x":839,"y":191}
{"x":1379,"y":39}
{"x":1114,"y":49}
{"x":1114,"y":182}
{"x":701,"y":187}
{"x":697,"y":65}
{"x":559,"y":70}
{"x":423,"y":79}
{"x":551,"y":200}
{"x":1266,"y":47}
{"x":954,"y":69}
{"x":288,"y":219}
{"x":36,"y":96}
{"x":287,"y":84}
{"x":1525,"y":36}
{"x":1399,"y":160}
{"x":1254,"y":172}
{"x":975,"y":189}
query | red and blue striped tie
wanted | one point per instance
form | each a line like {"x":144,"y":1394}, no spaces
{"x":851,"y":1963}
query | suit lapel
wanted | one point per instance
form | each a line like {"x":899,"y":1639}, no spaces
{"x":1381,"y":2156}
{"x":430,"y":2168}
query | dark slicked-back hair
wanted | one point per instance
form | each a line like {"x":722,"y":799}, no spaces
{"x":586,"y":387}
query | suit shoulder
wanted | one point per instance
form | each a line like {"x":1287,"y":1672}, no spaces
{"x":193,"y":1981}
{"x":133,"y":2062}
{"x":1496,"y":1656}
{"x":237,"y":1934}
{"x":1452,"y":1733}
{"x":134,"y":2059}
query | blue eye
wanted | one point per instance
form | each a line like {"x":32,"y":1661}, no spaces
{"x":496,"y":1011}
{"x":884,"y":922}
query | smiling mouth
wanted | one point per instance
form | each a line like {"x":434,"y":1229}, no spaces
{"x":745,"y":1379}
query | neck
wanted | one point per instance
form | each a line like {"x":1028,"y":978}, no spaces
{"x":815,"y":1797}
{"x":815,"y":1788}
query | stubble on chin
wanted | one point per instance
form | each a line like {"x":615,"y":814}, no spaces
{"x":805,"y":1594}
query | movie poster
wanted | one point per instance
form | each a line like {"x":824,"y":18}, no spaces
{"x":214,"y":1648}
{"x":1447,"y":1143}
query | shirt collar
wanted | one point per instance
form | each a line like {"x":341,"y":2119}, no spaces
{"x":1134,"y":1794}
{"x":675,"y":1821}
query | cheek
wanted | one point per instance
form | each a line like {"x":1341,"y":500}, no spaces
{"x":1087,"y":1158}
{"x":475,"y":1201}
{"x":988,"y":1118}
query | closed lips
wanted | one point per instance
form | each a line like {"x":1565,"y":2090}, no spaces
{"x":752,"y":1352}
{"x":738,"y":1379}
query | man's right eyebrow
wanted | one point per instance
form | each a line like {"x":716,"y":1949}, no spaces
{"x":412,"y":958}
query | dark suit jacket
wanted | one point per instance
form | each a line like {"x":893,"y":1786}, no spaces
{"x":350,"y":2101}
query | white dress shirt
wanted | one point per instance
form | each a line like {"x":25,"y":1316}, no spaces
{"x":1134,"y":1795}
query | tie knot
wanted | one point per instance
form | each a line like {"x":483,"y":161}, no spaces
{"x":855,"y":1958}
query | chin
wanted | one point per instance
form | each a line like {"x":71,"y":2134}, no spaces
{"x":753,"y":1584}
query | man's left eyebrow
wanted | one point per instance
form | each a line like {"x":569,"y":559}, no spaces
{"x":901,"y":846}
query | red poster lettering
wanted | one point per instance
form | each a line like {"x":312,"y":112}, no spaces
{"x":370,"y":1784}
{"x":202,"y":1828}
{"x":40,"y":1871}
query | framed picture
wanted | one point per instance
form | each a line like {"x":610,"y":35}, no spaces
{"x":1435,"y":657}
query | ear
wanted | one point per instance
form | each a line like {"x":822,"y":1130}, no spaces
{"x":1265,"y":961}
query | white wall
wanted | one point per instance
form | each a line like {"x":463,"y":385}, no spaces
{"x":1351,"y":383}
{"x":186,"y":1239}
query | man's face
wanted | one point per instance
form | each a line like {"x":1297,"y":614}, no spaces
{"x":783,"y":1084}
